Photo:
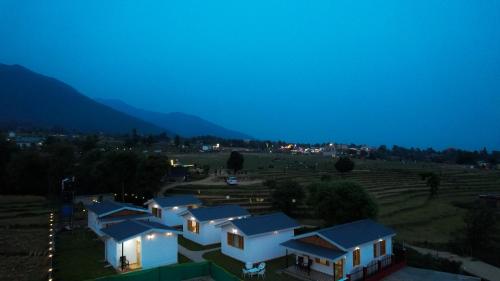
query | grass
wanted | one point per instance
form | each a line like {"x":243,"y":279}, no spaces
{"x":23,"y":238}
{"x":193,"y":246}
{"x":235,"y":266}
{"x":182,"y":258}
{"x":79,"y":256}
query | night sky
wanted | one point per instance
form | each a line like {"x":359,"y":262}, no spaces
{"x":413,"y":73}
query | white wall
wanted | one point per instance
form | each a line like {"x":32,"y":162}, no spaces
{"x":169,"y":216}
{"x":256,"y":249}
{"x":367,"y":254}
{"x":112,"y":255}
{"x":129,"y":250}
{"x":209,"y":233}
{"x":159,"y":251}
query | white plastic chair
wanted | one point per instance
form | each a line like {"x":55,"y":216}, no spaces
{"x":262,"y":273}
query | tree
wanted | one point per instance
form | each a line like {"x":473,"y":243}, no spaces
{"x":287,"y":196}
{"x":341,"y":202}
{"x":118,"y":171}
{"x":150,"y":172}
{"x":433,"y":181}
{"x":177,"y":140}
{"x":344,"y":165}
{"x":27,"y":174}
{"x":235,"y":161}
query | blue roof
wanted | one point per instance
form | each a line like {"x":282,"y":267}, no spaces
{"x":312,"y":249}
{"x":265,"y":223}
{"x":218,"y":212}
{"x":177,"y":200}
{"x":111,"y":206}
{"x":130,"y":228}
{"x":356,"y":233}
{"x":127,"y":217}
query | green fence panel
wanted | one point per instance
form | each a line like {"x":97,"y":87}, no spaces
{"x":175,"y":273}
{"x":220,"y":274}
{"x":184,"y":271}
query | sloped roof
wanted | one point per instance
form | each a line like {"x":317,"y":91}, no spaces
{"x":265,"y":223}
{"x":218,"y":212}
{"x":356,"y":233}
{"x":111,"y":206}
{"x":126,"y":217}
{"x":130,"y":228}
{"x":177,"y":200}
{"x":322,"y":252}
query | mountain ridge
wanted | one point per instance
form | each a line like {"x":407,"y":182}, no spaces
{"x":31,"y":98}
{"x":184,"y":124}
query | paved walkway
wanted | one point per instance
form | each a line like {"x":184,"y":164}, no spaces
{"x":418,"y":274}
{"x":196,"y":256}
{"x":475,"y":267}
{"x":210,"y":180}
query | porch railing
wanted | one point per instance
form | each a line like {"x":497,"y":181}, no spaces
{"x":378,"y":269}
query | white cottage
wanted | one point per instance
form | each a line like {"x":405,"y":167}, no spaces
{"x":256,"y":239}
{"x":131,"y":245}
{"x":106,"y":213}
{"x":201,"y":225}
{"x":167,"y":209}
{"x":344,"y":250}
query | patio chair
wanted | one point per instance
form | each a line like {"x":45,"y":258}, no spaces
{"x":124,"y":263}
{"x":262,"y":273}
{"x":262,"y":266}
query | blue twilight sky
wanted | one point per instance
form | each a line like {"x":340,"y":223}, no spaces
{"x":414,"y":73}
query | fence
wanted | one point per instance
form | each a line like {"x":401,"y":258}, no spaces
{"x":175,"y":273}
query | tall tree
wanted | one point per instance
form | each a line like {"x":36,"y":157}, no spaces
{"x":341,"y":202}
{"x":235,"y":161}
{"x":287,"y":196}
{"x":344,"y":165}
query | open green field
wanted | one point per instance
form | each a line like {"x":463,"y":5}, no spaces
{"x":24,"y":238}
{"x":402,"y":196}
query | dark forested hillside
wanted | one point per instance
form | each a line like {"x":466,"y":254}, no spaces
{"x":35,"y":100}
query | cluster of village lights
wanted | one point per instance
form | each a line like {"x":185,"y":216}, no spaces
{"x":51,"y":244}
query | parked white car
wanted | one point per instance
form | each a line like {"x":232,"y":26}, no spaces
{"x":232,"y":181}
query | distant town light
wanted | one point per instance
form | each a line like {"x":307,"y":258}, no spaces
{"x":175,"y":208}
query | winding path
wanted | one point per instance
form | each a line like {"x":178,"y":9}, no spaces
{"x":476,"y":267}
{"x":210,"y":180}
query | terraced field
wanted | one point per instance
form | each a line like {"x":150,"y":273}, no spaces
{"x":402,"y":196}
{"x":23,"y":238}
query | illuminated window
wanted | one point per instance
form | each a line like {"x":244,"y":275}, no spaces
{"x":379,"y":248}
{"x":156,"y":212}
{"x":356,"y":257}
{"x":322,"y":261}
{"x":235,"y":240}
{"x":193,"y":226}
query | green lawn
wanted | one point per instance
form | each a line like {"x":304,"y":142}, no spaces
{"x":79,"y":256}
{"x":235,"y":266}
{"x":182,"y":259}
{"x":193,"y":246}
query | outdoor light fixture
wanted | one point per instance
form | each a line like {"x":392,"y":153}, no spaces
{"x":175,"y":208}
{"x":168,"y":233}
{"x":50,"y":255}
{"x":211,"y":221}
{"x":235,"y":230}
{"x":230,"y":219}
{"x":50,"y":269}
{"x":155,"y":205}
{"x":150,"y":236}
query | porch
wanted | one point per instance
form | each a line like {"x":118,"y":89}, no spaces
{"x":312,"y":275}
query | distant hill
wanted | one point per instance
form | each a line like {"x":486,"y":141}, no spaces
{"x":31,"y":99}
{"x":183,"y":124}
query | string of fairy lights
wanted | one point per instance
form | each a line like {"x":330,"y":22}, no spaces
{"x":51,"y":245}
